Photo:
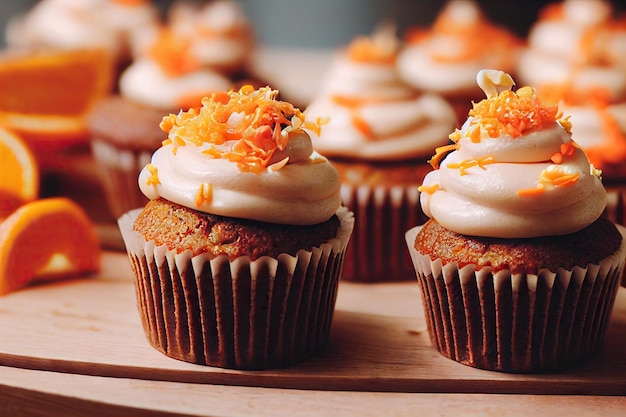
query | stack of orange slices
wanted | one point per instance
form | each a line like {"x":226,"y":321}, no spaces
{"x":40,"y":239}
{"x":46,"y":95}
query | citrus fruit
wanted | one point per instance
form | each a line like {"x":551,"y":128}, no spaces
{"x":19,"y":173}
{"x":46,"y":239}
{"x":46,"y":95}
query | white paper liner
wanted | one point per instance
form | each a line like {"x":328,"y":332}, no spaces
{"x":119,"y":170}
{"x":377,"y":251}
{"x":241,"y":314}
{"x":516,"y":322}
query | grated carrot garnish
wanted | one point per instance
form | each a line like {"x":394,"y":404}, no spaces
{"x":171,"y":52}
{"x":205,"y":194}
{"x":509,"y":113}
{"x":381,"y":47}
{"x":131,"y":2}
{"x":440,"y":153}
{"x":463,"y":166}
{"x":253,"y":119}
{"x":550,"y":178}
{"x":153,"y":179}
{"x":428,"y":189}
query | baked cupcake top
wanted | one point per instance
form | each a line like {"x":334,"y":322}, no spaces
{"x":372,"y":113}
{"x":446,"y":57}
{"x":577,"y":56}
{"x":244,"y":154}
{"x":513,"y":170}
{"x":169,"y":76}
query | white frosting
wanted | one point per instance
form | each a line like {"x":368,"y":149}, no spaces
{"x":403,"y":123}
{"x":145,"y":82}
{"x":220,"y":31}
{"x":75,"y":24}
{"x":486,"y":200}
{"x":580,"y":48}
{"x":299,"y":193}
{"x":441,"y":61}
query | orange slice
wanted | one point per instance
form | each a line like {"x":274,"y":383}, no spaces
{"x":19,"y":173}
{"x":44,"y":240}
{"x":46,"y":95}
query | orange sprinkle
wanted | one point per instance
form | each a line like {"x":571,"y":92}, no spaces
{"x":429,"y":189}
{"x":551,"y":178}
{"x":362,"y":126}
{"x":376,"y":49}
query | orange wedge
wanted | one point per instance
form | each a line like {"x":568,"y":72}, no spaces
{"x":46,"y":95}
{"x":44,"y":240}
{"x":19,"y":173}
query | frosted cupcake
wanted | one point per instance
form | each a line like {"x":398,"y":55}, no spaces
{"x":517,"y":268}
{"x":124,"y":128}
{"x":238,"y":255}
{"x":575,"y":55}
{"x":445,"y":58}
{"x":222,"y":35}
{"x":378,"y":132}
{"x":117,"y":26}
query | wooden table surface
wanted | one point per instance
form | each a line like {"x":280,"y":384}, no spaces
{"x":77,"y":348}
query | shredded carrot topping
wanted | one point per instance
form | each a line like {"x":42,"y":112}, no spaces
{"x":463,"y":166}
{"x":551,"y":178}
{"x":429,"y":189}
{"x":171,"y":52}
{"x":253,"y":122}
{"x":154,"y":175}
{"x":381,"y":47}
{"x":440,"y":153}
{"x":511,"y":114}
{"x":205,"y":194}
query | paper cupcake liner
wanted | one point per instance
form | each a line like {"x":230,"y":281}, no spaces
{"x":377,"y":251}
{"x":119,"y":169}
{"x":240,"y":314}
{"x":517,"y":322}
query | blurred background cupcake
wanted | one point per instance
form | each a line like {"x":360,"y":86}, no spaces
{"x":445,"y":57}
{"x":379,"y":132}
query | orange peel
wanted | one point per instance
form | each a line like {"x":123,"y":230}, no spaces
{"x":44,"y":240}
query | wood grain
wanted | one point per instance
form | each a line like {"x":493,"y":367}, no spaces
{"x":378,"y":343}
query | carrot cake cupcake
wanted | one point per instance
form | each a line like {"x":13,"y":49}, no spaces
{"x":575,"y":56}
{"x":378,"y":132}
{"x":517,"y":268}
{"x":445,"y":58}
{"x":238,"y":254}
{"x":124,"y":127}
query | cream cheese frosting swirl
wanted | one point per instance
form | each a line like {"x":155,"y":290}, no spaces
{"x":246,"y":155}
{"x":373,"y":114}
{"x":514,"y":171}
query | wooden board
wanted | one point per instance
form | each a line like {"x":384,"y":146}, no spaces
{"x":378,"y":343}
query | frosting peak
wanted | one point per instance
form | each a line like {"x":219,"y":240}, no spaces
{"x":513,"y":171}
{"x":244,"y":154}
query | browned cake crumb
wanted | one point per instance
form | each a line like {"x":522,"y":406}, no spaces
{"x":525,"y":255}
{"x":181,"y":228}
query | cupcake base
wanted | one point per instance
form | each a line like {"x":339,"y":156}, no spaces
{"x":517,"y":323}
{"x":239,"y":314}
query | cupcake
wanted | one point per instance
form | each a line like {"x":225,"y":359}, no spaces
{"x":238,"y":254}
{"x":517,"y":267}
{"x":117,"y":26}
{"x":445,"y":58}
{"x":378,"y":132}
{"x":223,"y":38}
{"x":575,"y":56}
{"x":124,"y":127}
